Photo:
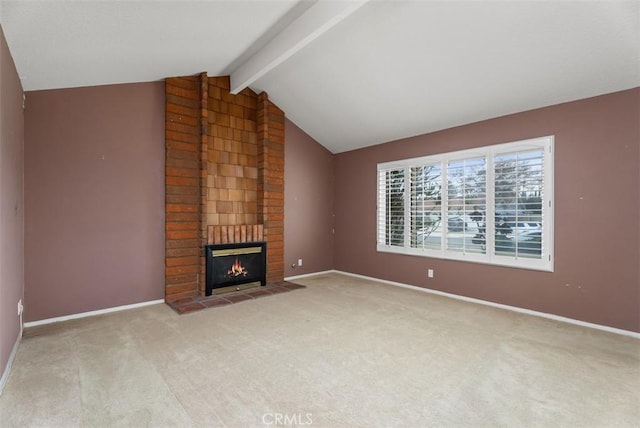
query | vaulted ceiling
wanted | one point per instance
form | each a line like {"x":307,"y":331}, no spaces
{"x":350,"y":73}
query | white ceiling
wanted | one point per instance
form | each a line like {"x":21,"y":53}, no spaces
{"x":351,"y":74}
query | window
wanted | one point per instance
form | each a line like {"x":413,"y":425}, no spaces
{"x":489,"y":205}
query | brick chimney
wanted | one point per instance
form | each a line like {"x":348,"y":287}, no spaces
{"x":224,"y":167}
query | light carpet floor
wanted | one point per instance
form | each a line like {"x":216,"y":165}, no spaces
{"x":344,"y":352}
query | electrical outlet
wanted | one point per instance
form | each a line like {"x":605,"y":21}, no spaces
{"x":20,"y":307}
{"x":430,"y":273}
{"x":299,"y":262}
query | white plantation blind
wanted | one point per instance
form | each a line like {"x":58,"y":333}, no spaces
{"x":466,"y":200}
{"x":491,"y":204}
{"x":425,"y":215}
{"x":391,"y":210}
{"x":519,"y":192}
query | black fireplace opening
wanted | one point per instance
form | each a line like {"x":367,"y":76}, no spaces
{"x":237,"y":266}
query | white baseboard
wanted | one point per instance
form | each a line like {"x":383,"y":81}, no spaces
{"x":91,"y":313}
{"x":307,"y":275}
{"x":499,"y":305}
{"x":7,"y":369}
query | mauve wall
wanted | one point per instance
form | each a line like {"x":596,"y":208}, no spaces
{"x":597,"y":190}
{"x":94,"y":198}
{"x":11,"y":203}
{"x":308,"y":207}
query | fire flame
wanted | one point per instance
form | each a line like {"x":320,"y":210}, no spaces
{"x":237,"y":269}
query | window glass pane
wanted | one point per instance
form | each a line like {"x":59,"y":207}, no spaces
{"x":391,"y":204}
{"x":519,"y":189}
{"x":426,"y":202}
{"x":467,"y":204}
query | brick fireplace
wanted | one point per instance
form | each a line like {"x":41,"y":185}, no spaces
{"x":224,"y":171}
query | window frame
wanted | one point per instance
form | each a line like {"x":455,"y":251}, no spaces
{"x":546,"y":260}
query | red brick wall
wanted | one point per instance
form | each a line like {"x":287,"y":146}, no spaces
{"x":204,"y":167}
{"x":182,"y":187}
{"x":271,"y":183}
{"x":224,"y":166}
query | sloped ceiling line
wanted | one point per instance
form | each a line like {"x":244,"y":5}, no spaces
{"x":350,"y":73}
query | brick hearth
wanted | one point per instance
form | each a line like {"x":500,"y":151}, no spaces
{"x":192,"y":304}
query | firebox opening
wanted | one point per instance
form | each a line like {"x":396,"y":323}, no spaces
{"x":232,"y":267}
